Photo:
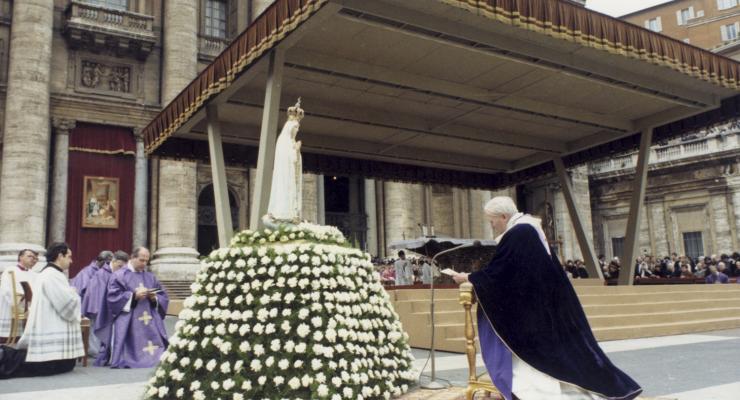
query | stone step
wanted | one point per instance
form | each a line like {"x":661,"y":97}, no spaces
{"x":620,"y":320}
{"x":665,"y":329}
{"x":654,"y":288}
{"x":641,"y":298}
{"x":654,"y":307}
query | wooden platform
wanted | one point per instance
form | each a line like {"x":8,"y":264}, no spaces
{"x":614,"y":312}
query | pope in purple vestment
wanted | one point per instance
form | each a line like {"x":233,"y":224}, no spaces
{"x":138,"y":303}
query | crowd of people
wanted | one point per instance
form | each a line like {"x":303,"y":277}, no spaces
{"x":711,"y":269}
{"x":125,"y":305}
{"x":403,"y":271}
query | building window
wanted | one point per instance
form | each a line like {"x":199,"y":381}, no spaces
{"x":617,"y":246}
{"x":654,"y":24}
{"x":729,"y":32}
{"x":693,"y":244}
{"x":683,"y":16}
{"x":114,"y":4}
{"x":725,"y":4}
{"x":215,"y":20}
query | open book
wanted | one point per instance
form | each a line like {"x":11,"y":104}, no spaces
{"x":448,"y":271}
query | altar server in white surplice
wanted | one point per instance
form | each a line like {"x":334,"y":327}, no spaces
{"x":26,"y":260}
{"x":52,"y":336}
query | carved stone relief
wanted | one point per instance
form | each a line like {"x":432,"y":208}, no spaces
{"x":99,"y":76}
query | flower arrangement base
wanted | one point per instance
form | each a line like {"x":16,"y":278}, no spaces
{"x":286,"y":313}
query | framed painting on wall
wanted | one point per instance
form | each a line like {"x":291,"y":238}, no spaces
{"x":100,"y":202}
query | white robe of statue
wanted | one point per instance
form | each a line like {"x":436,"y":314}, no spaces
{"x":287,"y":175}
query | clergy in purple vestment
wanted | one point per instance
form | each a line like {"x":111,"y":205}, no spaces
{"x":138,"y":303}
{"x":82,"y":280}
{"x":84,"y":283}
{"x":98,"y":292}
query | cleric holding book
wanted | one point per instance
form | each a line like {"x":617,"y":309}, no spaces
{"x":138,"y":304}
{"x":535,"y":340}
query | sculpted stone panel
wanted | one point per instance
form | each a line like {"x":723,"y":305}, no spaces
{"x":100,"y":76}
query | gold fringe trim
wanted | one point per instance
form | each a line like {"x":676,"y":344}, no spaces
{"x":95,"y":151}
{"x":245,"y":60}
{"x":514,"y":18}
{"x":495,"y":13}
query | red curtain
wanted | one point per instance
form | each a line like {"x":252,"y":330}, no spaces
{"x":100,"y":151}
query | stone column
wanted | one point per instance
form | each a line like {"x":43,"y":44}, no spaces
{"x":58,"y":215}
{"x":320,"y":201}
{"x":443,"y":211}
{"x":176,"y":257}
{"x":402,"y":211}
{"x":309,"y":208}
{"x":722,"y":242}
{"x":140,"y":192}
{"x":733,"y":187}
{"x":371,"y":211}
{"x":25,"y":157}
{"x":180,"y":47}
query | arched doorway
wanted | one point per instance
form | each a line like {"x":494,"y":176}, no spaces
{"x":207,"y":232}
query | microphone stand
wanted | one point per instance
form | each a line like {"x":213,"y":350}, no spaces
{"x":433,"y":384}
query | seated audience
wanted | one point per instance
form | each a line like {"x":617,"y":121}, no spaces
{"x":715,"y":276}
{"x":686,"y":272}
{"x":138,"y":304}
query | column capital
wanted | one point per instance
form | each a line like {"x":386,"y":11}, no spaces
{"x":62,"y":126}
{"x":138,"y":134}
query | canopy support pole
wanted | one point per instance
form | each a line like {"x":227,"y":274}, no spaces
{"x":268,"y":138}
{"x":218,"y":171}
{"x":631,"y":241}
{"x":587,"y":250}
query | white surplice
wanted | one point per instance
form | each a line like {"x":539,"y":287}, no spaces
{"x":6,"y":295}
{"x":53,"y":328}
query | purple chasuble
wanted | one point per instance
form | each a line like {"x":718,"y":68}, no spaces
{"x":138,"y":336}
{"x":496,"y":356}
{"x":81,"y":281}
{"x":94,"y":293}
{"x":104,"y":319}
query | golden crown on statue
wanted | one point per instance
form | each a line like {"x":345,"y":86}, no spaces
{"x":296,"y":112}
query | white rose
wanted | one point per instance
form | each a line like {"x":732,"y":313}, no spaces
{"x":323,"y":390}
{"x":211,"y":365}
{"x":294,"y":383}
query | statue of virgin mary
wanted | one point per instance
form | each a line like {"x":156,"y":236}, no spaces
{"x":287,"y":175}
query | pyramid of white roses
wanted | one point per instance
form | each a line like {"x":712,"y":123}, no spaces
{"x":291,"y":313}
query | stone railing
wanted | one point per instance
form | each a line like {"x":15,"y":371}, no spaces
{"x":210,"y":47}
{"x":89,"y":25}
{"x":676,"y":151}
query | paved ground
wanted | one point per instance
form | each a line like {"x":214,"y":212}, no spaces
{"x":685,"y":367}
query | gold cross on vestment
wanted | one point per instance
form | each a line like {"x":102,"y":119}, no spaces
{"x":145,"y":318}
{"x":150,"y":347}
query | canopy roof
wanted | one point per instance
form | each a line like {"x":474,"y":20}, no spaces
{"x":468,"y":93}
